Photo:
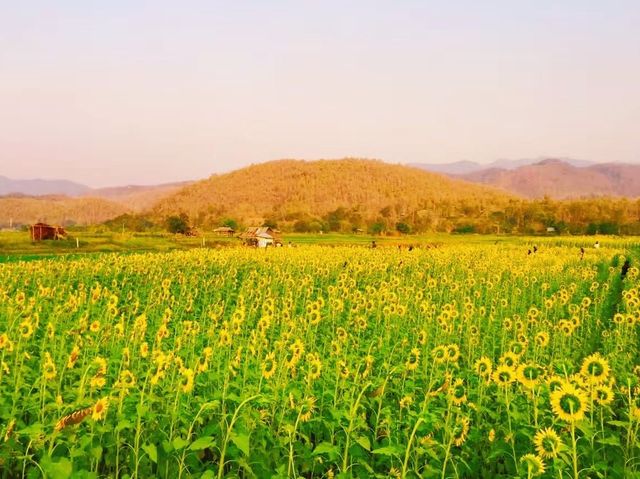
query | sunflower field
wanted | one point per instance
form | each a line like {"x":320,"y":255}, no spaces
{"x":474,"y":361}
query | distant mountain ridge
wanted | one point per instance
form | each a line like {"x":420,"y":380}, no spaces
{"x":466,"y":167}
{"x":135,"y":197}
{"x":39,"y":187}
{"x":560,"y":179}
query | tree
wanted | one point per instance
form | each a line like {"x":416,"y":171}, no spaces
{"x":230,"y":223}
{"x":403,"y":228}
{"x":178,"y":224}
{"x":377,"y":228}
{"x":270,"y":223}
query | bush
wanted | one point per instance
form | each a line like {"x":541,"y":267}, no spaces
{"x":178,"y":224}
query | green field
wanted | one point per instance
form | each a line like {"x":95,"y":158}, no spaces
{"x":465,"y":357}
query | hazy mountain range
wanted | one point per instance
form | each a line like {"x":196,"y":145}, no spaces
{"x":465,"y":167}
{"x":135,"y":197}
{"x":304,"y":189}
{"x":556,"y":178}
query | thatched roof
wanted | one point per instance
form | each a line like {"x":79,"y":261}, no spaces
{"x":259,"y":232}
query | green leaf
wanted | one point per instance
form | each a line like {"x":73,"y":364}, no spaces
{"x":619,"y":423}
{"x":96,"y":452}
{"x":585,"y":428}
{"x":59,"y":469}
{"x":124,"y":424}
{"x":208,"y":475}
{"x":388,"y":451}
{"x":201,"y":443}
{"x":142,"y":409}
{"x":179,"y":443}
{"x":152,"y":451}
{"x":364,"y":442}
{"x":326,"y":448}
{"x":610,"y":440}
{"x":242,"y":442}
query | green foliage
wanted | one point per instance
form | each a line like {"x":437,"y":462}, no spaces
{"x":178,"y":223}
{"x":131,"y":222}
{"x":403,"y":228}
{"x":320,"y":361}
{"x":230,"y":223}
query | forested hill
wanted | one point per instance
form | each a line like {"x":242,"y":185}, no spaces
{"x":358,"y":190}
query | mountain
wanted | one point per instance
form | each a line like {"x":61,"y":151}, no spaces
{"x":466,"y":167}
{"x":289,"y":189}
{"x":22,"y":210}
{"x":559,"y":179}
{"x":136,"y":197}
{"x":39,"y":187}
{"x":455,"y":168}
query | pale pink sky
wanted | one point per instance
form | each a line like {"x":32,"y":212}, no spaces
{"x":156,"y":91}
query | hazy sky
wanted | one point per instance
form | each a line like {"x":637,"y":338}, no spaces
{"x":122,"y":91}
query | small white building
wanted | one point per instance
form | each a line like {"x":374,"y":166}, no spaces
{"x":261,"y":237}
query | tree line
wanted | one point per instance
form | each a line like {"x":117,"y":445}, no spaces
{"x":513,"y":216}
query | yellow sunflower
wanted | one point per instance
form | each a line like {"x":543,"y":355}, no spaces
{"x":307,"y":408}
{"x":542,"y":339}
{"x":509,"y":359}
{"x":530,"y":374}
{"x":269,"y":365}
{"x":534,"y":465}
{"x":439,"y":354}
{"x":504,"y":375}
{"x":569,"y":403}
{"x":100,"y":409}
{"x":547,"y":443}
{"x":460,"y":430}
{"x":413,"y":360}
{"x":483,"y":367}
{"x":186,"y":382}
{"x":457,"y":392}
{"x":602,"y":394}
{"x":595,"y":369}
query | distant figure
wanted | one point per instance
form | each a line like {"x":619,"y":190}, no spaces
{"x":528,"y":252}
{"x":581,"y":253}
{"x":411,"y":248}
{"x":535,"y":249}
{"x":344,"y":265}
{"x":399,"y":247}
{"x":625,"y":268}
{"x":597,"y":245}
{"x":373,"y":244}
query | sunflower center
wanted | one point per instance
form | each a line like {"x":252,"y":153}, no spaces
{"x":570,"y":403}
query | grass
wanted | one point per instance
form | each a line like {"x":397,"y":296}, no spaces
{"x":17,"y":245}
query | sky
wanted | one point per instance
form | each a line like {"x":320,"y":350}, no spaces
{"x":124,"y":91}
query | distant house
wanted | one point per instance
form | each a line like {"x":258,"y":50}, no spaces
{"x":42,"y":231}
{"x":261,"y":237}
{"x":224,"y":231}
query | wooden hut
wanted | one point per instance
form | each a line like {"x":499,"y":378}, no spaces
{"x":224,"y":231}
{"x":42,"y":231}
{"x":261,"y":237}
